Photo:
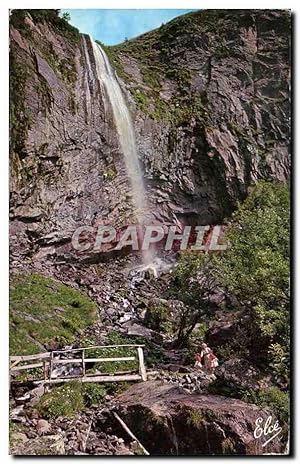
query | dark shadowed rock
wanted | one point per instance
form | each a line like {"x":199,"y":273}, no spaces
{"x":240,"y":374}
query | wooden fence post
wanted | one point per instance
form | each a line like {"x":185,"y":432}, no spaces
{"x":50,"y":367}
{"x":142,"y":369}
{"x":83,"y":364}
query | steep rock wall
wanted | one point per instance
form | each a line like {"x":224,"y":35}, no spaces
{"x":209,"y":93}
{"x":212,"y":90}
{"x":66,"y":166}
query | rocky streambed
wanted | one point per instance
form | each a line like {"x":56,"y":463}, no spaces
{"x":164,"y":417}
{"x":176,"y":412}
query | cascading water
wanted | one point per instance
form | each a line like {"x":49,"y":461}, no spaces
{"x":123,"y":122}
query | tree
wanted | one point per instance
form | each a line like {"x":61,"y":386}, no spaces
{"x":254,"y":269}
{"x":193,"y":283}
{"x":66,"y":16}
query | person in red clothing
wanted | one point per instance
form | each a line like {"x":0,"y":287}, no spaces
{"x":208,"y":358}
{"x":198,"y":364}
{"x":212,"y":361}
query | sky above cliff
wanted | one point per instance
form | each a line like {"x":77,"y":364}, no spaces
{"x":113,"y":26}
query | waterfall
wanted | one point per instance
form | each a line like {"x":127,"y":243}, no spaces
{"x":125,"y":130}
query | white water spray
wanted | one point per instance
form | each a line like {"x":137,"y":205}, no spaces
{"x":125,"y":130}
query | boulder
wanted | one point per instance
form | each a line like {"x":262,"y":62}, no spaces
{"x":36,"y":395}
{"x":222,"y":332}
{"x":239,"y":373}
{"x":169,"y":422}
{"x":17,"y":439}
{"x":43,"y":427}
{"x":40,"y":446}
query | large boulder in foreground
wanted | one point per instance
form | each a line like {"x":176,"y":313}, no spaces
{"x":169,"y":422}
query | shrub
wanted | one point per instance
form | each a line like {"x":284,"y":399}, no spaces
{"x":272,"y":398}
{"x":93,"y":393}
{"x":66,"y":401}
{"x":277,"y":401}
{"x":158,"y":317}
{"x":194,"y":418}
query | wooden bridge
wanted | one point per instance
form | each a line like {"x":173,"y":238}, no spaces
{"x":44,"y":365}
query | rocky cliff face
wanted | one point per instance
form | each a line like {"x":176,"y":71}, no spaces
{"x":209,"y":93}
{"x":64,"y":151}
{"x":213,"y":99}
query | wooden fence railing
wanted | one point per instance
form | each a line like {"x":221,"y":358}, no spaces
{"x":78,"y":357}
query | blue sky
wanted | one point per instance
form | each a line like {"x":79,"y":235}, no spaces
{"x":112,"y":26}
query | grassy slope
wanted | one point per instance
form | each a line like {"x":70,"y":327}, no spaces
{"x":45,"y":312}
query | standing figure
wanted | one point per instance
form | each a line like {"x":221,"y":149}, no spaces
{"x":212,"y":362}
{"x":208,"y":358}
{"x":204,"y":354}
{"x":198,"y":364}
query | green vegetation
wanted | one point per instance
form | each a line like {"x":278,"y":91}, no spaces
{"x":153,"y":352}
{"x":19,"y":115}
{"x":255,"y":269}
{"x":93,"y":393}
{"x":113,"y":338}
{"x":73,"y":104}
{"x":154,"y":55}
{"x":222,"y":50}
{"x":45,"y":312}
{"x":194,"y":418}
{"x":72,"y":397}
{"x":158,"y":318}
{"x":66,"y":401}
{"x":141,"y":100}
{"x":236,"y":348}
{"x":273,"y":398}
{"x":193,"y":342}
{"x":111,"y":173}
{"x":67,"y":69}
{"x":59,"y":24}
{"x":182,"y":76}
{"x":192,"y":282}
{"x":152,"y":52}
{"x":45,"y":94}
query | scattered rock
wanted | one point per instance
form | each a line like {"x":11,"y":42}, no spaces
{"x":17,"y":413}
{"x":36,"y":395}
{"x":40,"y":446}
{"x":43,"y":427}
